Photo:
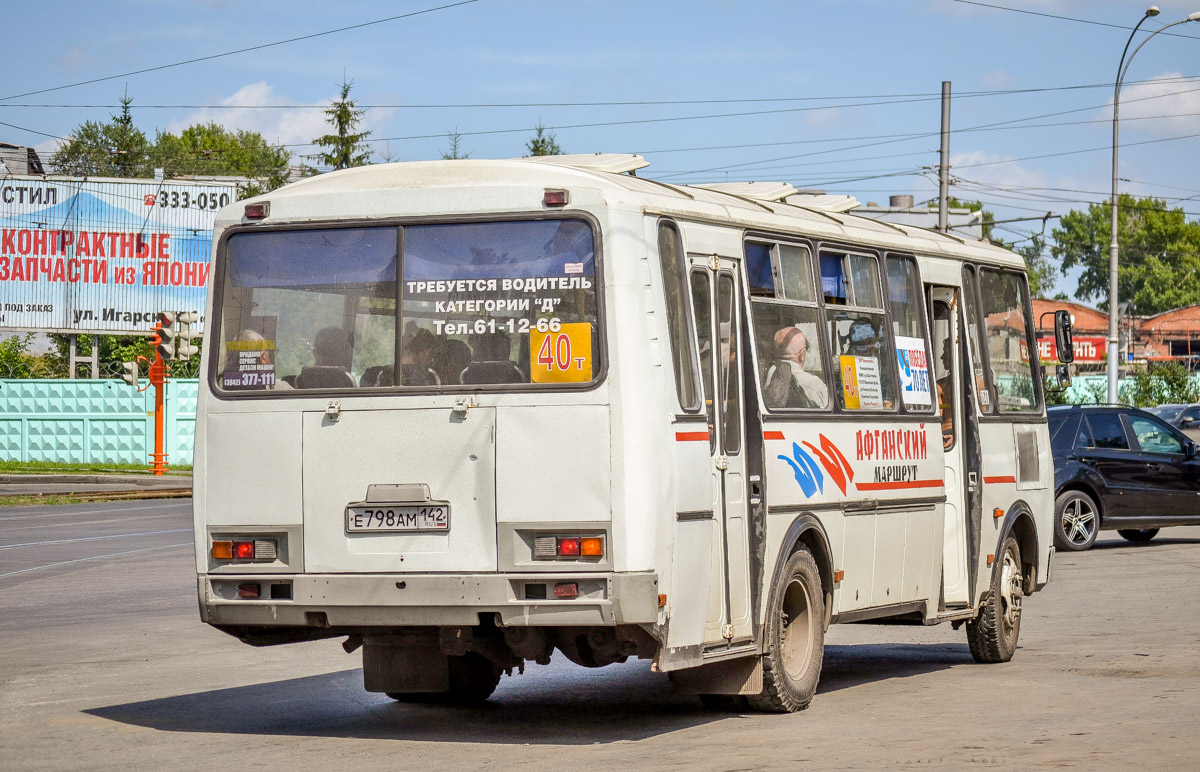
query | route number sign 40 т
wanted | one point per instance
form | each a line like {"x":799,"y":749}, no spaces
{"x":562,"y":353}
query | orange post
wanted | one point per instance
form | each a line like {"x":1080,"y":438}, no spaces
{"x":158,"y":373}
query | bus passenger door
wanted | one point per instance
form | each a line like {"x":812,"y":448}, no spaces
{"x":946,"y":334}
{"x":716,"y":299}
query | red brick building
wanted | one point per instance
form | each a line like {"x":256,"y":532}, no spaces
{"x":1173,"y":334}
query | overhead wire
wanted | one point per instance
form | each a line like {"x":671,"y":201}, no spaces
{"x":1062,"y":18}
{"x":247,"y":49}
{"x":933,"y":95}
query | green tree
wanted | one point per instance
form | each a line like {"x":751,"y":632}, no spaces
{"x":15,"y":359}
{"x":455,"y":151}
{"x":345,"y":147}
{"x":113,"y":149}
{"x":543,"y":143}
{"x":1159,"y":253}
{"x":1038,"y":267}
{"x":212,"y":149}
{"x":1160,"y":384}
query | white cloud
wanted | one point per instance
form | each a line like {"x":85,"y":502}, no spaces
{"x":282,"y":125}
{"x":995,"y":79}
{"x":1164,"y":95}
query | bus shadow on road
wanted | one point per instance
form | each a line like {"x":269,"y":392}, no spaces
{"x":560,"y":704}
{"x":853,"y":665}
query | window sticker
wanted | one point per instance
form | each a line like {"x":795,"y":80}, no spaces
{"x":250,"y":356}
{"x":914,"y":371}
{"x":861,"y":386}
{"x":562,"y":353}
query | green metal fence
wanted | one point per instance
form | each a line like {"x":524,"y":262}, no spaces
{"x":93,"y":421}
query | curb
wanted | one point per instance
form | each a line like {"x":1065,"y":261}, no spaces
{"x":138,"y":481}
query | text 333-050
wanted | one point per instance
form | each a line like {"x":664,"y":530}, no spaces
{"x":175,"y":199}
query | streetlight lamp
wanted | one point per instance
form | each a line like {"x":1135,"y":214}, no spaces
{"x":1113,"y":310}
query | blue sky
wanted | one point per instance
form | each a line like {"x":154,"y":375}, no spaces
{"x":824,"y":92}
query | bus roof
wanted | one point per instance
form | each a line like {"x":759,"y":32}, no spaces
{"x":388,"y":190}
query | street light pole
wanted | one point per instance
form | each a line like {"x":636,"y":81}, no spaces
{"x":1113,"y":310}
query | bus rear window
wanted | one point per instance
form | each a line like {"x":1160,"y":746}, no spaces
{"x":474,"y":305}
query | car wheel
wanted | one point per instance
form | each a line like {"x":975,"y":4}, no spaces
{"x":1076,"y":520}
{"x":795,"y":638}
{"x":993,"y":634}
{"x":1137,"y":534}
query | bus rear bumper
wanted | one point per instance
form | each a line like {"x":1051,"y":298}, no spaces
{"x":348,"y":601}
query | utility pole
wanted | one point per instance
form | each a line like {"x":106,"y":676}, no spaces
{"x":944,"y":163}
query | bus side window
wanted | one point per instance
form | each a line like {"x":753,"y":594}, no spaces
{"x":786,"y":325}
{"x":683,"y":356}
{"x":908,"y":330}
{"x":858,"y":338}
{"x":970,"y":309}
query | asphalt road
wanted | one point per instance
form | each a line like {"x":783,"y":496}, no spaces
{"x":104,"y":664}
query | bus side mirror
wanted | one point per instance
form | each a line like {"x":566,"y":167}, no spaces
{"x":1062,"y":336}
{"x":1062,"y":374}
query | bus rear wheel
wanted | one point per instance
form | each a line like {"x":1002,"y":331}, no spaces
{"x":795,"y":638}
{"x":473,"y":678}
{"x":993,"y":634}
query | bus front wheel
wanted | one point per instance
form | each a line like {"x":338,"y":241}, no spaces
{"x":993,"y":634}
{"x":795,"y":637}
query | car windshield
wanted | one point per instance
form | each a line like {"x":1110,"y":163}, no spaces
{"x":428,"y":306}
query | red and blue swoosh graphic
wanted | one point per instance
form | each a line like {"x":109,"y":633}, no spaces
{"x":810,"y":476}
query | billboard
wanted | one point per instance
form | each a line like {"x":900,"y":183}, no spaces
{"x":1087,"y":350}
{"x":103,"y":255}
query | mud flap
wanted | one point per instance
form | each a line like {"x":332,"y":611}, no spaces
{"x":404,"y":664}
{"x":743,"y":675}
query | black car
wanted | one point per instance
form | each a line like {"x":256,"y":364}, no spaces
{"x":1119,"y":468}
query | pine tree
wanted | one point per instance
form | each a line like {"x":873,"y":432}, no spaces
{"x":346,"y":147}
{"x":542,"y":143}
{"x":455,"y":147}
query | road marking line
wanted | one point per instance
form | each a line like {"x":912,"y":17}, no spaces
{"x":91,"y":538}
{"x":85,"y":512}
{"x":97,"y":557}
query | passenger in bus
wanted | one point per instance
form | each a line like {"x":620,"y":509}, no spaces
{"x":944,"y":393}
{"x":863,"y":340}
{"x":491,"y":362}
{"x":449,"y":359}
{"x":331,"y":362}
{"x":416,"y":358}
{"x":788,"y":384}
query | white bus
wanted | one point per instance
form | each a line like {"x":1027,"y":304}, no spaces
{"x":467,"y":413}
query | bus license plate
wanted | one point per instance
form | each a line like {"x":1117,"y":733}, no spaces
{"x":398,"y":517}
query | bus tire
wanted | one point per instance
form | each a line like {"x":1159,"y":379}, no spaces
{"x":993,"y":634}
{"x":1137,"y":534}
{"x":473,"y":678}
{"x":795,"y":638}
{"x":1076,"y":521}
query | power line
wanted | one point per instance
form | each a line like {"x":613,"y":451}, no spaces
{"x":241,"y":50}
{"x":613,"y":103}
{"x":1061,"y":18}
